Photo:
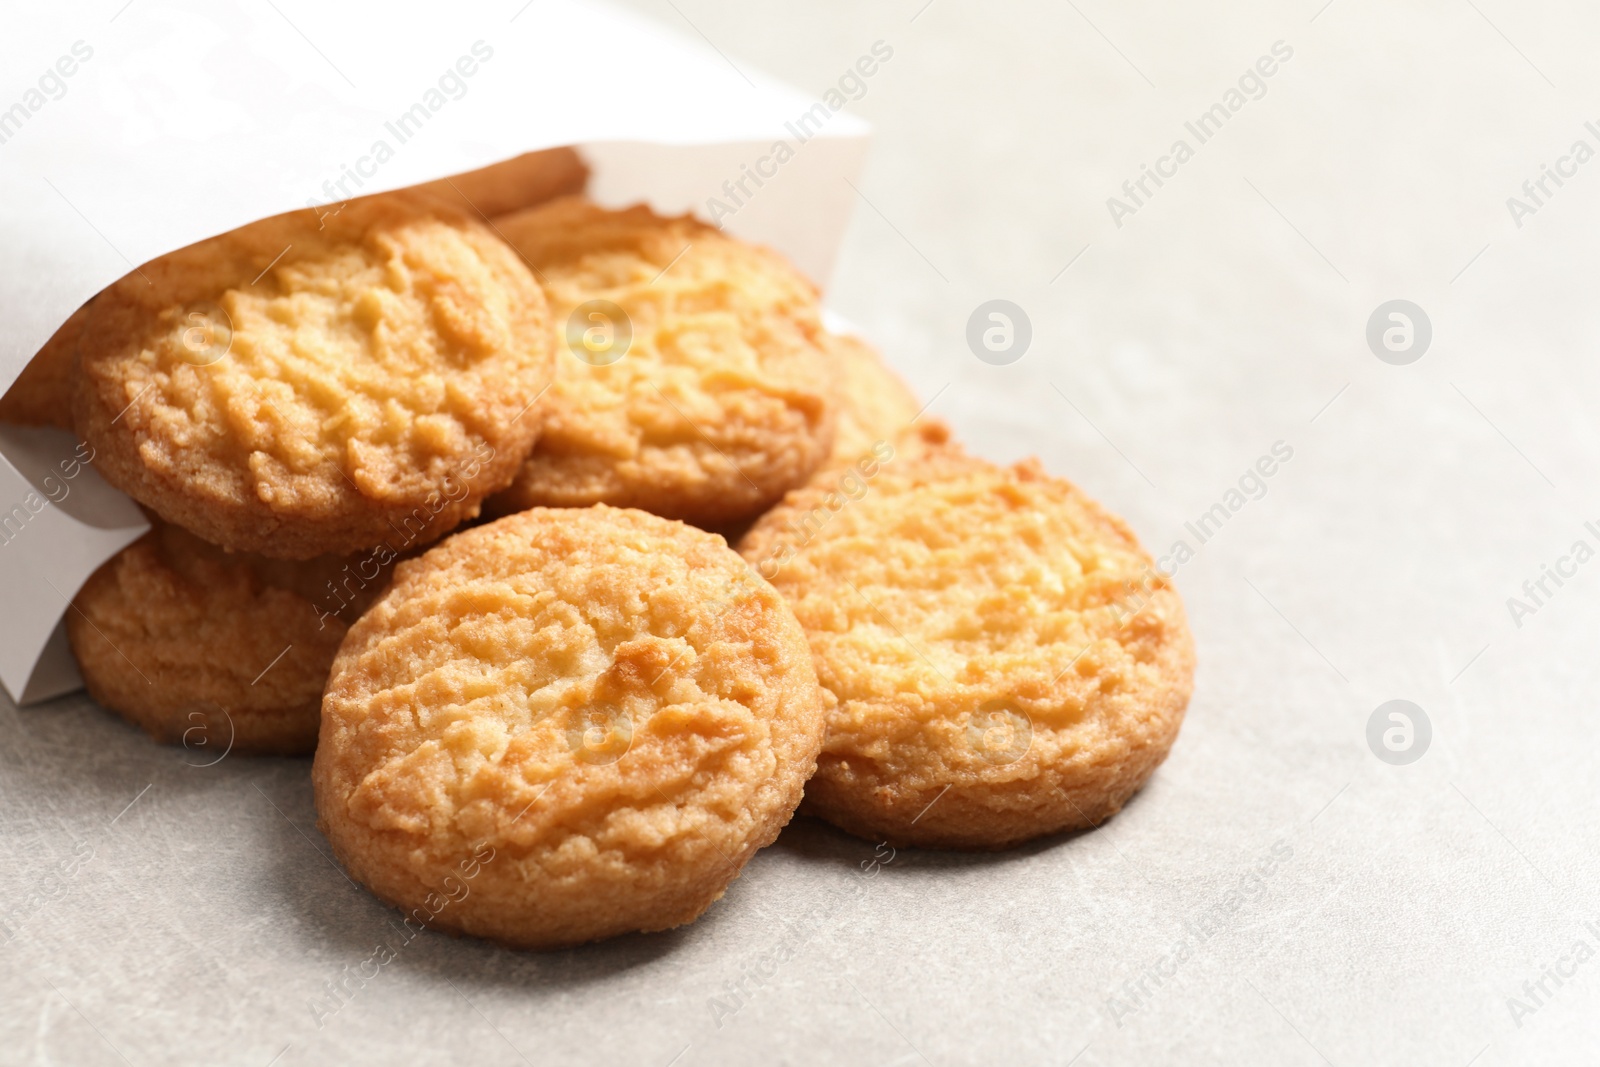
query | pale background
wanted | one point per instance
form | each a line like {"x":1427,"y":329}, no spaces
{"x":1223,"y":317}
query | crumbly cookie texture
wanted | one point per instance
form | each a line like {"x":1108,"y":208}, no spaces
{"x":213,"y":650}
{"x":846,"y":473}
{"x":564,"y":725}
{"x":42,"y":393}
{"x":875,"y":404}
{"x":1000,"y":657}
{"x":315,"y":382}
{"x":724,"y":398}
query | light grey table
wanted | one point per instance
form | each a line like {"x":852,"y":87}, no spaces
{"x":1435,"y":912}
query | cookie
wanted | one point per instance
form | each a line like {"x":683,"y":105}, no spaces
{"x":1000,"y":657}
{"x":213,"y":650}
{"x":42,"y":393}
{"x":551,"y":730}
{"x":314,"y":382}
{"x":518,"y":183}
{"x":692,"y":380}
{"x":875,"y":404}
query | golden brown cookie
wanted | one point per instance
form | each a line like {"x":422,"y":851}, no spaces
{"x":555,"y":703}
{"x":42,"y":393}
{"x":845,"y":474}
{"x":875,"y":404}
{"x":692,"y":380}
{"x":213,"y":650}
{"x":315,"y":382}
{"x":531,"y":178}
{"x":1002,"y":659}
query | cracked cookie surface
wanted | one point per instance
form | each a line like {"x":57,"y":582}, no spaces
{"x":313,"y":382}
{"x":1000,"y":658}
{"x":565,"y":703}
{"x":722,"y":399}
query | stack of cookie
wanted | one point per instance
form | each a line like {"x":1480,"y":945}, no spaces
{"x":582,"y":714}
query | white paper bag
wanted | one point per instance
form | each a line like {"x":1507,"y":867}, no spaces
{"x":150,"y":125}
